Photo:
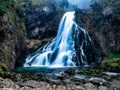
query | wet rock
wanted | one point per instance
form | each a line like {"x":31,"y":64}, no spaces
{"x":60,"y":75}
{"x":90,"y":86}
{"x":111,"y":73}
{"x":80,"y":78}
{"x":98,"y":81}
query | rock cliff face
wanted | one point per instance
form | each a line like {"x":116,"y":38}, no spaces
{"x":42,"y":19}
{"x":12,"y":33}
{"x":103,"y":25}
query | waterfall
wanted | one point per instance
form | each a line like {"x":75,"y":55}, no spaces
{"x":71,"y":47}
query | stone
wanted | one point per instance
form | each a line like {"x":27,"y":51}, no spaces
{"x":25,"y":88}
{"x":8,"y":83}
{"x":102,"y":88}
{"x":1,"y":79}
{"x":115,"y":85}
{"x":60,"y":87}
{"x":5,"y":18}
{"x":80,"y":78}
{"x":34,"y":84}
{"x":90,"y":86}
{"x":67,"y":81}
{"x":79,"y":88}
{"x":18,"y":77}
{"x":35,"y":31}
{"x":108,"y":11}
{"x":98,"y":81}
{"x":55,"y":81}
{"x":54,"y":87}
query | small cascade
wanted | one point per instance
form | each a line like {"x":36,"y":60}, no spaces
{"x":70,"y":48}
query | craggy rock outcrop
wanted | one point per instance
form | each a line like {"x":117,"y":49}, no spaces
{"x":41,"y":20}
{"x":103,"y":26}
{"x":12,"y":34}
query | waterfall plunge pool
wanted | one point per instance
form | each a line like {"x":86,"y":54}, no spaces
{"x":44,"y":69}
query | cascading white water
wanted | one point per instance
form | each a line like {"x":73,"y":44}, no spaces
{"x":66,"y":49}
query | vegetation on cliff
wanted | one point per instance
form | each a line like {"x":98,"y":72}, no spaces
{"x":10,"y":7}
{"x":12,"y":31}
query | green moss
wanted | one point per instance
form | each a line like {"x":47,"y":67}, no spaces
{"x":10,"y":19}
{"x":2,"y":6}
{"x":112,"y":57}
{"x":113,"y":60}
{"x":91,"y":71}
{"x":5,"y":9}
{"x":9,"y":8}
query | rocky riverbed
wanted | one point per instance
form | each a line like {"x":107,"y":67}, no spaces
{"x":64,"y":80}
